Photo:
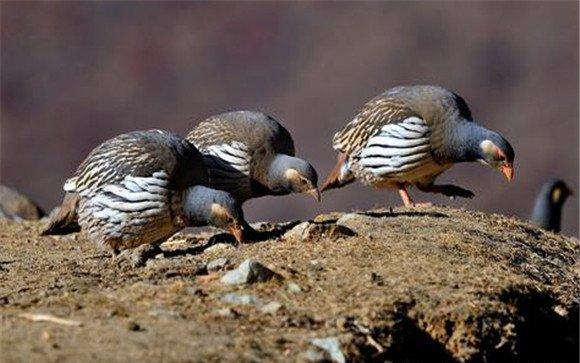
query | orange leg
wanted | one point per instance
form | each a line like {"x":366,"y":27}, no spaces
{"x":407,"y":198}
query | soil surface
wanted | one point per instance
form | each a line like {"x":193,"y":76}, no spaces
{"x":404,"y":284}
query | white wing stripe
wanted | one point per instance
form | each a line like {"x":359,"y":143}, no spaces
{"x":389,"y":141}
{"x":397,"y":147}
{"x":227,"y":157}
{"x":396,"y":162}
{"x":388,"y":152}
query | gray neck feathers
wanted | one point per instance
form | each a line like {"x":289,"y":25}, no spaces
{"x":197,"y":203}
{"x":463,"y":141}
{"x":277,"y":180}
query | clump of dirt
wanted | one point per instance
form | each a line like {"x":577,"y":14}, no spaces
{"x":431,"y":283}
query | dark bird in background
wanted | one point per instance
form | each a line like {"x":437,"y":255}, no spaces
{"x":251,"y":155}
{"x":141,"y":188}
{"x":17,"y":206}
{"x":408,"y":136}
{"x":547,"y":211}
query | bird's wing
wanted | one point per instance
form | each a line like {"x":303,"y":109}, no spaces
{"x":134,"y":155}
{"x":386,"y":137}
{"x":375,"y":114}
{"x":229,"y":168}
{"x":213,"y":131}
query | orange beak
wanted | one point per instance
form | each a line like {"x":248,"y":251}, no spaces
{"x":238,"y":233}
{"x":508,"y":171}
{"x":315,"y":193}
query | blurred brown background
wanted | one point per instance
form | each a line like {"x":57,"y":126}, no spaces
{"x":75,"y":74}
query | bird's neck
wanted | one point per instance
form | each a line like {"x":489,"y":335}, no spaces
{"x":193,"y":206}
{"x":275,"y":177}
{"x":464,"y":140}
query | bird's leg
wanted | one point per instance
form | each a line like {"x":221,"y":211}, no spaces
{"x":405,"y":195}
{"x":448,"y":190}
{"x":137,"y":257}
{"x":407,"y":198}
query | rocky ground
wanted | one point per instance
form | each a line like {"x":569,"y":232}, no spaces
{"x":407,"y":284}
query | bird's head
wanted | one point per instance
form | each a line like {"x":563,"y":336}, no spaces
{"x":558,"y":192}
{"x":206,"y":206}
{"x":497,"y":152}
{"x":294,"y":175}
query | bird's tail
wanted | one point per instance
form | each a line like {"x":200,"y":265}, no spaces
{"x":65,"y":220}
{"x":340,"y":176}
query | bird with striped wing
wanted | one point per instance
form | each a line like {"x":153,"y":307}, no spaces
{"x":408,"y":136}
{"x":251,"y":155}
{"x":142,"y":187}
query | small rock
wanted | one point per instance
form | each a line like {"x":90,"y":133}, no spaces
{"x":298,"y":232}
{"x":217,"y":264}
{"x":353,"y":221}
{"x":240,"y":299}
{"x":271,"y":308}
{"x":331,"y":346}
{"x":163,"y":313}
{"x":294,"y":288}
{"x":219,"y":247}
{"x":311,"y":230}
{"x":227,"y":313}
{"x":314,"y":355}
{"x":249,"y":272}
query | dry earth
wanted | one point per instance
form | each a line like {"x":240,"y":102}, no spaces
{"x":434,"y":283}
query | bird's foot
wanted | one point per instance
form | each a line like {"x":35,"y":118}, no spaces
{"x":453,"y":191}
{"x":137,"y":257}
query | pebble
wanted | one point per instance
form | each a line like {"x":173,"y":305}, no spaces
{"x":314,"y":355}
{"x":163,"y":313}
{"x":219,"y":247}
{"x":271,"y":308}
{"x":217,"y":264}
{"x":249,"y":272}
{"x":294,"y":288}
{"x":309,"y":231}
{"x":332,"y":346}
{"x":226,"y":313}
{"x":353,"y":221}
{"x":240,"y":299}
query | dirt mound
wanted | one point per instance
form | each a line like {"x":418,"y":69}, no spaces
{"x":433,"y":283}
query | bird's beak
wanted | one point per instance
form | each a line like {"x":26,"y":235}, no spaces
{"x":238,"y":233}
{"x":315,"y":193}
{"x":508,"y":171}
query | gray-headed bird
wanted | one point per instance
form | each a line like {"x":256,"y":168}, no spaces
{"x":408,"y":136}
{"x":250,"y":155}
{"x":142,"y":187}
